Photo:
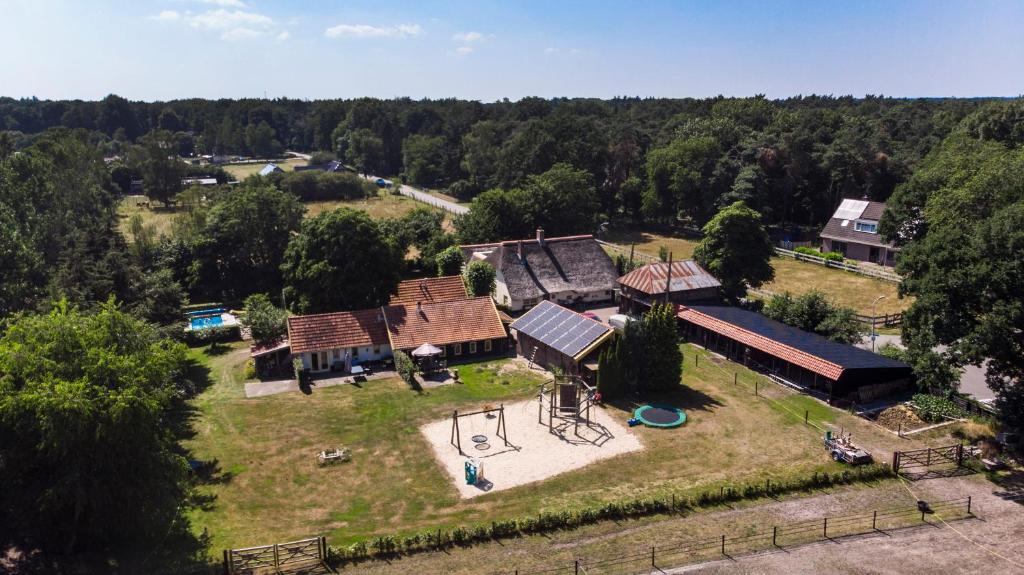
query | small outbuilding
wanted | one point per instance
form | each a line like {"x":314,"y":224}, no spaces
{"x":270,"y":169}
{"x":552,"y":336}
{"x":677,"y":282}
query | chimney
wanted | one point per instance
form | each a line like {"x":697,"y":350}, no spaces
{"x":419,"y":309}
{"x":540,"y":236}
{"x":519,"y":250}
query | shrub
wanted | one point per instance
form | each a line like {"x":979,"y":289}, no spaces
{"x":829,"y":256}
{"x":405,"y":367}
{"x":314,"y":185}
{"x":935,"y":409}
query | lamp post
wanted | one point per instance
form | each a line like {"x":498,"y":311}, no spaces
{"x":873,"y":316}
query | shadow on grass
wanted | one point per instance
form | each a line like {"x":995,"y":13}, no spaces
{"x":685,"y":398}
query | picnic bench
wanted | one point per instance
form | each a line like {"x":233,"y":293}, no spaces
{"x":333,"y":456}
{"x":303,"y":557}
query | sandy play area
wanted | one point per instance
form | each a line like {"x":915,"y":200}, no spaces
{"x":534,"y":453}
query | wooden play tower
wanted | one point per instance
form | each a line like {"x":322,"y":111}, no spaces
{"x":567,"y":399}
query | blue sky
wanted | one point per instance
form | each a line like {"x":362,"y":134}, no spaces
{"x":487,"y":50}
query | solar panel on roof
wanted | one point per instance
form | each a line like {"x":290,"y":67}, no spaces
{"x":559,"y":328}
{"x":850,"y":209}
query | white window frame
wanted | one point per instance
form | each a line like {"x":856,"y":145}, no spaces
{"x":859,"y":226}
{"x":487,"y":345}
{"x":472,"y":347}
{"x":458,"y":349}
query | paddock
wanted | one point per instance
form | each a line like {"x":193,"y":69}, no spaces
{"x":533,"y":453}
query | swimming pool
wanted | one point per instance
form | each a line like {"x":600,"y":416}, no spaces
{"x":206,"y":322}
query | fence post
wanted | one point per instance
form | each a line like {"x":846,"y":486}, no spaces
{"x":895,"y":461}
{"x":825,"y":529}
{"x":652,"y":556}
{"x":577,"y":564}
{"x":874,"y":519}
{"x":673,"y":502}
{"x":929,"y":457}
{"x":969,"y":505}
{"x":807,"y":415}
{"x":723,"y":545}
{"x":227,"y":567}
{"x":755,"y":387}
{"x":775,"y":535}
{"x":767,"y":486}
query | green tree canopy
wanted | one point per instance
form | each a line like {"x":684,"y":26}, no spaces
{"x":736,"y":249}
{"x":87,"y":408}
{"x":812,"y":311}
{"x":424,"y":158}
{"x":479,"y":278}
{"x":267,"y":321}
{"x":340,"y":261}
{"x":157,"y":161}
{"x":449,"y":261}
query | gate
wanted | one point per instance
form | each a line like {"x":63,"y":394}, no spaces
{"x":303,"y":556}
{"x":930,"y":462}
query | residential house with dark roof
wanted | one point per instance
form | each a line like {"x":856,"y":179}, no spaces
{"x":332,"y":166}
{"x":676,"y":282}
{"x":334,"y":340}
{"x":427,"y":290}
{"x":797,"y":357}
{"x":853,"y":232}
{"x":567,"y":270}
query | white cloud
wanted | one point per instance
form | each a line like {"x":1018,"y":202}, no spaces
{"x":240,"y":34}
{"x":229,"y":20}
{"x":464,"y":50}
{"x":573,"y":51}
{"x":167,"y":15}
{"x":283,"y":36}
{"x":229,"y":3}
{"x":368,"y":31}
{"x":467,"y":37}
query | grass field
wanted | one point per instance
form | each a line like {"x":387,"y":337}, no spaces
{"x":381,"y":207}
{"x":849,"y":289}
{"x":243,"y":171}
{"x":271,"y":490}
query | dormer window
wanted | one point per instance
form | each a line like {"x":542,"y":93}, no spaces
{"x":867,"y":227}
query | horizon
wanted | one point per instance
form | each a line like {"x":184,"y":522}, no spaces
{"x":163,"y":50}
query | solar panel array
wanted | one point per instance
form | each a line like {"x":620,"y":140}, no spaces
{"x":559,"y":328}
{"x":850,"y":209}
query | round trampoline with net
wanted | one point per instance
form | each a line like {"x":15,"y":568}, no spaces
{"x":660,"y":415}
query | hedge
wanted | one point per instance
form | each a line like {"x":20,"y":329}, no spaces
{"x":829,"y":256}
{"x":935,"y":409}
{"x":550,"y":521}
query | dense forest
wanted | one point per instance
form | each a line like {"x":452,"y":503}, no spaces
{"x":655,"y":162}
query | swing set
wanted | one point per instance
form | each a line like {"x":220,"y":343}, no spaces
{"x":500,"y":431}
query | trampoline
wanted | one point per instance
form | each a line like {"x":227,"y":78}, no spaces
{"x":660,"y":415}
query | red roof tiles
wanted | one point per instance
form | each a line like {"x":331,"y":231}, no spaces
{"x":447,"y":288}
{"x":337,"y":330}
{"x":759,"y":342}
{"x":441,"y":323}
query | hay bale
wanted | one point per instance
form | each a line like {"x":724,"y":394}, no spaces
{"x":899,"y":416}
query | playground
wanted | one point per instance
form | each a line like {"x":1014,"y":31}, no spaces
{"x":534,"y":452}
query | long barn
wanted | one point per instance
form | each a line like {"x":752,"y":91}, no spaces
{"x":791,"y":354}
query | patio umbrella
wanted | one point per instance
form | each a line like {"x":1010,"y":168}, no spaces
{"x":426,"y":350}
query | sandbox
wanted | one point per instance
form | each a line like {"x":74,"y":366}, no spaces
{"x":534,"y":452}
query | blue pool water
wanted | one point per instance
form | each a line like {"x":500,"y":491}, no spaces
{"x":205,"y":322}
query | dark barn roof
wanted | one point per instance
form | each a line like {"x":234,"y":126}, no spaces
{"x":561,"y":329}
{"x":573,"y":263}
{"x":808,"y":350}
{"x":849,"y":211}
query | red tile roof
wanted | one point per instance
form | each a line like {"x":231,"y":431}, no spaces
{"x":447,"y":288}
{"x":269,"y":347}
{"x":759,"y":342}
{"x":337,"y":330}
{"x":442,"y":323}
{"x":686,"y":275}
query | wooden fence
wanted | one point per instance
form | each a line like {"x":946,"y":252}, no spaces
{"x":778,"y":536}
{"x":928,"y":462}
{"x":307,"y":556}
{"x":870,"y":271}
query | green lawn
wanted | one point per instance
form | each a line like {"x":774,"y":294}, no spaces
{"x":270,"y":488}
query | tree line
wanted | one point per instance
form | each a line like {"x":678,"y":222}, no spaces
{"x":661,"y":162}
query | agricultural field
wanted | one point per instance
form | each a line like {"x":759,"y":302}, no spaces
{"x":269,"y":487}
{"x":243,"y":171}
{"x":846,"y":288}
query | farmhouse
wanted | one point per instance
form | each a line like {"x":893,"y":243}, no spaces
{"x":550,"y":335}
{"x":680,"y":282}
{"x":447,"y":288}
{"x":853,"y":232}
{"x":792,"y":355}
{"x":335,"y":340}
{"x":460,"y":328}
{"x":568,"y":270}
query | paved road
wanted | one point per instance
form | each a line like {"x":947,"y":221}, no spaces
{"x":306,"y":157}
{"x":435,"y":201}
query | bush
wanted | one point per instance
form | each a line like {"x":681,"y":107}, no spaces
{"x":829,"y":256}
{"x":449,"y":261}
{"x":213,"y":335}
{"x":405,"y":367}
{"x":314,"y":185}
{"x":935,"y":409}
